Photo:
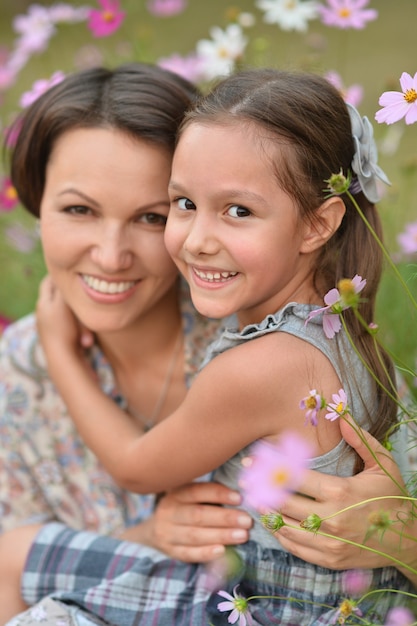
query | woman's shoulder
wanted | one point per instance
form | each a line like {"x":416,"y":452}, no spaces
{"x":19,"y":338}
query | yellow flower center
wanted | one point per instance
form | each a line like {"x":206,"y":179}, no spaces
{"x":410,"y":96}
{"x":339,"y":408}
{"x":290,"y":5}
{"x":345,"y":12}
{"x":279,"y":477}
{"x":311,"y":402}
{"x":11,"y":193}
{"x":346,"y":608}
{"x":346,"y":287}
{"x":108,"y":16}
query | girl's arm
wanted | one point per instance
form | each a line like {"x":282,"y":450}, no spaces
{"x":332,"y":494}
{"x":232,"y":403}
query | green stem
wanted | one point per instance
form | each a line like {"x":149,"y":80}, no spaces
{"x":384,"y":250}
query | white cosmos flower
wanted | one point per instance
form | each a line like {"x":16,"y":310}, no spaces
{"x":289,"y":14}
{"x":219,"y":54}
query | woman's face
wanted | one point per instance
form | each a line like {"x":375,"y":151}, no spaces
{"x":103,"y":215}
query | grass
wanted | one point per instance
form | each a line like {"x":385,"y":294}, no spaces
{"x":374,"y":57}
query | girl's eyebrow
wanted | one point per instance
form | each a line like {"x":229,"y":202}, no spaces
{"x":243,"y":194}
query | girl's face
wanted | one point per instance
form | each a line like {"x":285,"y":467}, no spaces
{"x":103,"y":215}
{"x":234,"y":234}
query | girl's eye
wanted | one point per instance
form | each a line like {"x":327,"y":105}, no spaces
{"x":153,"y":219}
{"x":77,"y":210}
{"x":185,"y":204}
{"x":238,"y":211}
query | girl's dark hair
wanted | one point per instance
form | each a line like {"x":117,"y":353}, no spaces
{"x":308,"y":120}
{"x":144,"y":101}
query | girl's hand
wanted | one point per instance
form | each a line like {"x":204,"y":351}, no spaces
{"x":331,"y":494}
{"x":60,"y":332}
{"x":55,"y":321}
{"x":190,"y":525}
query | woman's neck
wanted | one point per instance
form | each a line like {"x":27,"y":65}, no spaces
{"x":151,"y":334}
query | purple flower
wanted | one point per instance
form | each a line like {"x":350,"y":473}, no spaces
{"x":313,"y":403}
{"x":35,"y":28}
{"x":400,"y":616}
{"x":105,"y":21}
{"x":356,"y":581}
{"x":274,"y":471}
{"x":64,"y":12}
{"x":338,"y":407}
{"x":21,"y":238}
{"x":39,"y":87}
{"x":166,"y":8}
{"x":238,"y":606}
{"x":346,"y":13}
{"x":408,"y":239}
{"x":338,"y":300}
{"x":8,"y":195}
{"x":352,"y":94}
{"x":189,"y":67}
{"x":399,"y":104}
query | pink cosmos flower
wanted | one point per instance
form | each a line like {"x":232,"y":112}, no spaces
{"x":400,"y":616}
{"x":274,"y":471}
{"x":346,"y":609}
{"x":356,"y":581}
{"x":11,"y":133}
{"x":4,"y":323}
{"x":338,"y":300}
{"x":35,"y":28}
{"x":39,"y":87}
{"x":346,"y":13}
{"x":313,"y":403}
{"x":189,"y":67}
{"x":166,"y":8}
{"x":105,"y":21}
{"x":238,"y":605}
{"x":408,"y":239}
{"x":399,"y":104}
{"x":8,"y":195}
{"x":338,"y":407}
{"x":352,"y":94}
{"x":21,"y":238}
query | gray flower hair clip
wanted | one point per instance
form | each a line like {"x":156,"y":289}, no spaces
{"x":365,"y":160}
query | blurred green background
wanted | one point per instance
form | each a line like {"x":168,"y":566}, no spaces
{"x":374,"y":57}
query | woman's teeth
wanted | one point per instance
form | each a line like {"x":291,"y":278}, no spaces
{"x":103,"y":286}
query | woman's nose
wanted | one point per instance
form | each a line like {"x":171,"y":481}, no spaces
{"x":113,"y":251}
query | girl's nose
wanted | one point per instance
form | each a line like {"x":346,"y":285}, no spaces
{"x":201,"y":237}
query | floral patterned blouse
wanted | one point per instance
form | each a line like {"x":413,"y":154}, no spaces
{"x":46,"y":471}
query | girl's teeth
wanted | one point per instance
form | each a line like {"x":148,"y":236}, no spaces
{"x":215,"y":277}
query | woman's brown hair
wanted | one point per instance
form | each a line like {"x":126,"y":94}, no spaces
{"x":144,"y":101}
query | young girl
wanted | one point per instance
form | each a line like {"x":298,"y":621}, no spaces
{"x":254,"y":231}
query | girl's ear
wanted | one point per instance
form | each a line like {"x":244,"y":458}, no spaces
{"x":327,"y":220}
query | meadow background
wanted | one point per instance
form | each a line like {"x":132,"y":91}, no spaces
{"x":373,"y":57}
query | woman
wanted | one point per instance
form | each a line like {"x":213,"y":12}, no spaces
{"x":96,"y":152}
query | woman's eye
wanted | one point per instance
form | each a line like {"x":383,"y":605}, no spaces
{"x":238,"y":211}
{"x":153,"y":219}
{"x":77,"y":210}
{"x":185,"y":204}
